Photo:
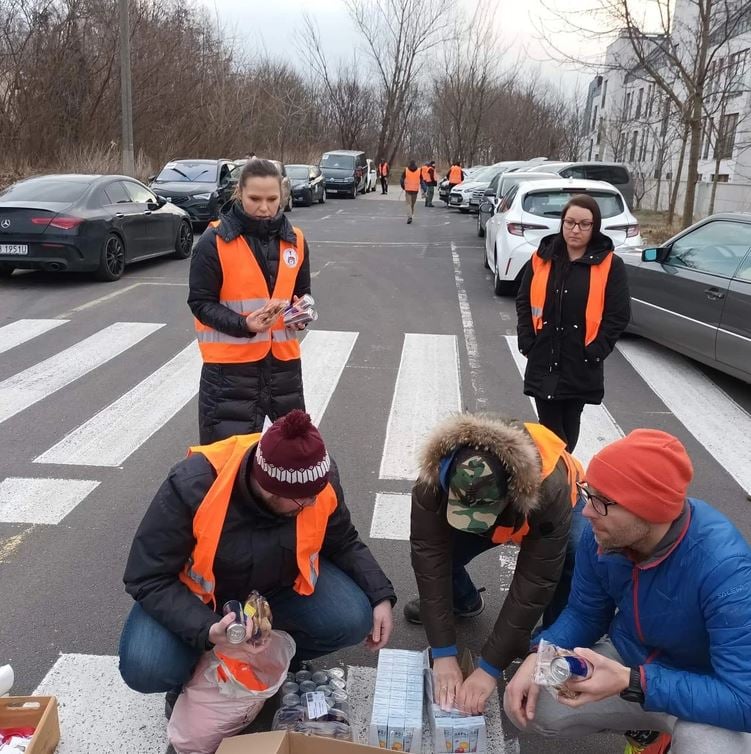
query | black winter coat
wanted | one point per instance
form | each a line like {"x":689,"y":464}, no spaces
{"x":559,"y":365}
{"x":234,"y":398}
{"x":256,"y":550}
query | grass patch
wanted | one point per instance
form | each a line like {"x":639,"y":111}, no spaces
{"x":654,"y":226}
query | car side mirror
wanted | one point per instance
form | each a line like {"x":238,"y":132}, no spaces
{"x":151,"y":178}
{"x":158,"y":204}
{"x":654,"y":255}
{"x":489,"y":192}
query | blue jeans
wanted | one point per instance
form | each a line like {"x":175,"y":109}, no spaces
{"x":468,"y":546}
{"x":337,"y":615}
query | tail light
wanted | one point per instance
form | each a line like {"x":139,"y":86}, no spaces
{"x":517,"y":229}
{"x":62,"y":223}
{"x":630,"y":230}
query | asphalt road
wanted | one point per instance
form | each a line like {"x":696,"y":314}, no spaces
{"x":63,"y":545}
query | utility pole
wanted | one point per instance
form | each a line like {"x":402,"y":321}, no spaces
{"x":126,"y":97}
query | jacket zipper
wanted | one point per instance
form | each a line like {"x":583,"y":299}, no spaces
{"x":635,"y":579}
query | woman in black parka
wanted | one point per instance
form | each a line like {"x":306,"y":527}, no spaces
{"x":572,"y":306}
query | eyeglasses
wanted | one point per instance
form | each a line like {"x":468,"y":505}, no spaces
{"x":599,"y":503}
{"x":584,"y":225}
{"x":308,"y":501}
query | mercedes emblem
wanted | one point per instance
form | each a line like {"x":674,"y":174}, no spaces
{"x":5,"y":223}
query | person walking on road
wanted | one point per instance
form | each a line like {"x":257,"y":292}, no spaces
{"x":660,"y":609}
{"x":427,"y":176}
{"x":455,"y":175}
{"x":573,"y":305}
{"x":480,"y":486}
{"x":243,"y":271}
{"x":410,"y":183}
{"x":273,"y":519}
{"x":383,"y":175}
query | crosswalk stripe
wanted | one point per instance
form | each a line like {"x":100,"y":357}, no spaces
{"x":98,"y":712}
{"x":391,"y":517}
{"x":109,"y":437}
{"x":709,"y":414}
{"x":41,"y":501}
{"x":18,"y":332}
{"x":45,"y":378}
{"x":598,"y":427}
{"x":427,"y":391}
{"x":324,"y":355}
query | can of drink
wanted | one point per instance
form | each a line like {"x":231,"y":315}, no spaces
{"x":290,"y":687}
{"x":338,"y":695}
{"x":307,"y":686}
{"x":303,"y":675}
{"x":320,"y":677}
{"x":324,"y":689}
{"x":569,"y":667}
{"x":236,"y":630}
{"x":290,"y":700}
{"x":337,"y":683}
{"x":335,"y":673}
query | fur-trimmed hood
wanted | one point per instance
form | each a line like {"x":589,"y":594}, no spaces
{"x":508,"y":441}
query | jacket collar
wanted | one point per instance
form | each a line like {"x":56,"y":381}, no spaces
{"x":553,"y":246}
{"x":234,"y":222}
{"x":244,"y":494}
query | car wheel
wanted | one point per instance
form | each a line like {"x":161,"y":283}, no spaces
{"x":322,"y":198}
{"x":112,"y":259}
{"x":6,"y":270}
{"x":480,"y":229}
{"x":184,"y":241}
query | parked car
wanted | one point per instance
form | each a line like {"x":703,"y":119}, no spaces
{"x":286,"y":198}
{"x":443,"y":184}
{"x":533,"y":210}
{"x":498,"y":188}
{"x":307,"y":184}
{"x":200,"y":187}
{"x":87,"y":223}
{"x":372,"y":176}
{"x":693,"y":293}
{"x":473,"y":187}
{"x":345,"y":172}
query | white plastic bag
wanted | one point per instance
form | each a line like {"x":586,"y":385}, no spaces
{"x":214,"y":705}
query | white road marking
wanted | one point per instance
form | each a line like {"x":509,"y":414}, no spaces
{"x":100,"y":300}
{"x":598,"y":427}
{"x":109,"y":437}
{"x":427,"y":391}
{"x":22,"y":330}
{"x":391,"y":516}
{"x":721,"y":425}
{"x":41,"y":501}
{"x":324,"y":355}
{"x":45,"y":378}
{"x":99,"y":713}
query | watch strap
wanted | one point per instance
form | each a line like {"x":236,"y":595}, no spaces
{"x":634,"y":691}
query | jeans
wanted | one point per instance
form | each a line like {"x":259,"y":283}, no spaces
{"x":468,"y":546}
{"x":337,"y":615}
{"x":429,"y":192}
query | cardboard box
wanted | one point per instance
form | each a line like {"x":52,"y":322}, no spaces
{"x":38,"y":712}
{"x":284,"y":742}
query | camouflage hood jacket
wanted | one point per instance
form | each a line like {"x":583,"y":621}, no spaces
{"x":544,"y":504}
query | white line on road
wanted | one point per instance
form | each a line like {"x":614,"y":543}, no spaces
{"x":598,"y":427}
{"x":324,"y":355}
{"x":709,"y":414}
{"x":100,"y":300}
{"x":108,"y":438}
{"x":41,"y":501}
{"x":43,"y":379}
{"x":427,"y":391}
{"x":22,"y":330}
{"x":391,"y":517}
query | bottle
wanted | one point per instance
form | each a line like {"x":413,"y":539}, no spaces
{"x":569,"y":667}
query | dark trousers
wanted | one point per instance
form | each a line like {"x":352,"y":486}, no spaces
{"x":384,"y":184}
{"x":561,"y":417}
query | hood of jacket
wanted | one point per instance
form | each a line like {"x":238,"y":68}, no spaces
{"x":598,"y":248}
{"x":507,"y":441}
{"x":234,"y":222}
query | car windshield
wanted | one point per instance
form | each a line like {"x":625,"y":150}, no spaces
{"x":334,"y":160}
{"x":486,"y":174}
{"x":514,"y":179}
{"x":45,"y":190}
{"x":177,"y":172}
{"x":550,"y":202}
{"x":298,"y":172}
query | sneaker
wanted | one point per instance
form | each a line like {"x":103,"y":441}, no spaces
{"x":409,"y":221}
{"x":169,"y":703}
{"x":412,"y":609}
{"x":647,"y":742}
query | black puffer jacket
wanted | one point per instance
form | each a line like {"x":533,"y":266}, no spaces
{"x":234,"y":398}
{"x":559,"y":365}
{"x":256,"y":550}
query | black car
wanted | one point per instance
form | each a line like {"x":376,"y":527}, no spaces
{"x":345,"y":172}
{"x":307,"y":184}
{"x":200,"y":187}
{"x":80,"y":223}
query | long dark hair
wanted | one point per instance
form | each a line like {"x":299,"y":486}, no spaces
{"x":256,"y":168}
{"x":585,"y":202}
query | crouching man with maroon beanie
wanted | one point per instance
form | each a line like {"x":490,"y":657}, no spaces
{"x":660,"y":607}
{"x":252,"y":512}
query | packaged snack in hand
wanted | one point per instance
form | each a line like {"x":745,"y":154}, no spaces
{"x":258,"y":616}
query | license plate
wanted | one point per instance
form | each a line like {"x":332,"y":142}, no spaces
{"x":456,"y":200}
{"x":17,"y":249}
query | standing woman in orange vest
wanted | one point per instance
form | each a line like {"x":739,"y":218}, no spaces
{"x":410,"y":182}
{"x":572,"y":306}
{"x":383,"y":174}
{"x":242,"y":267}
{"x":455,"y":174}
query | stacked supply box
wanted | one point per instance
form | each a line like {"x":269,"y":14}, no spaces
{"x":396,"y":722}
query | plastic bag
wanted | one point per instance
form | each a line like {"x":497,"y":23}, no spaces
{"x":215,"y":703}
{"x":555,"y":666}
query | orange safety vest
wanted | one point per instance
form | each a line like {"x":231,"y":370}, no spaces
{"x":411,"y":179}
{"x":598,"y":280}
{"x":425,"y":174}
{"x":225,"y":457}
{"x":551,"y":448}
{"x":383,"y":170}
{"x":244,"y":290}
{"x":455,"y":174}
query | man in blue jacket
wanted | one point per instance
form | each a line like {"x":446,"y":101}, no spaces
{"x":660,"y":605}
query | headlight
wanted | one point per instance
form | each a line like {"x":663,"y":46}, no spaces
{"x":206,"y":197}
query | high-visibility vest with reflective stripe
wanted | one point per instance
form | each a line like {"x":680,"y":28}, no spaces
{"x":225,"y":457}
{"x":383,"y":170}
{"x":425,"y":171}
{"x":411,"y":179}
{"x":551,"y":449}
{"x":598,"y":281}
{"x":455,"y":174}
{"x":244,"y":290}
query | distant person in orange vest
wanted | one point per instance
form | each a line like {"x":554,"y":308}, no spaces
{"x":383,"y":175}
{"x":274,"y":520}
{"x":243,"y":270}
{"x":428,"y":179}
{"x":410,"y":183}
{"x":455,"y":175}
{"x":573,"y":305}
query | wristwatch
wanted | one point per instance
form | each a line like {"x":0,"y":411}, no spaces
{"x":634,"y":692}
